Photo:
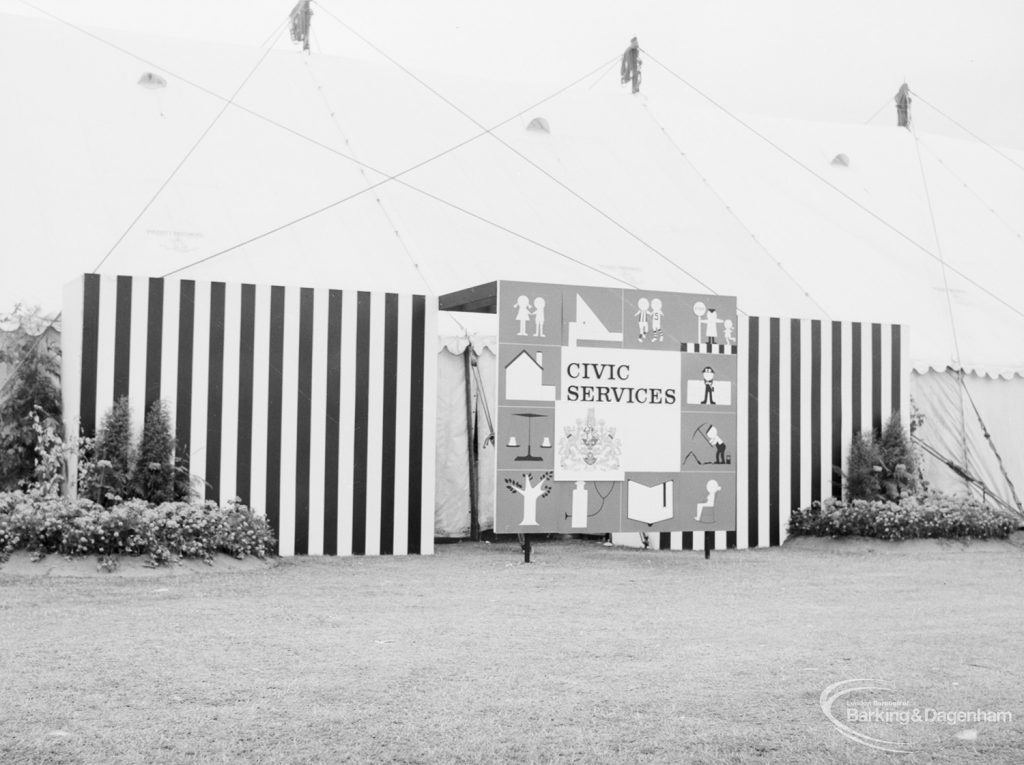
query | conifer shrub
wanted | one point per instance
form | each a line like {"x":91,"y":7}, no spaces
{"x":155,"y":478}
{"x":898,"y":461}
{"x":29,"y":395}
{"x":862,"y":468}
{"x":881,"y":468}
{"x":114,"y":455}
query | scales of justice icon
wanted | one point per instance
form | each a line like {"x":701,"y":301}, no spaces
{"x":513,"y":443}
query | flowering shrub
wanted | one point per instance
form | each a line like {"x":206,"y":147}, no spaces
{"x":927,"y":516}
{"x":164,"y":532}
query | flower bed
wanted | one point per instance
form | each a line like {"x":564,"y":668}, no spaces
{"x":164,"y":532}
{"x":930,"y":516}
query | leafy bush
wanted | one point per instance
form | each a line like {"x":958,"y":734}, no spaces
{"x":164,"y":532}
{"x":31,"y":391}
{"x":929,"y":516}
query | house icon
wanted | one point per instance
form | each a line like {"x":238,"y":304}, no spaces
{"x":524,"y":378}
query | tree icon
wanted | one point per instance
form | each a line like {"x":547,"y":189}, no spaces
{"x":530,"y":492}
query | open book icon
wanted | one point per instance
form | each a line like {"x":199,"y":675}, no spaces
{"x":649,"y":504}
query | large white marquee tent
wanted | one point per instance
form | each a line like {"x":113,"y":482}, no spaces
{"x":122,"y":153}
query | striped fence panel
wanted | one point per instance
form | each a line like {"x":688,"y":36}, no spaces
{"x":314,"y":406}
{"x":810,"y":386}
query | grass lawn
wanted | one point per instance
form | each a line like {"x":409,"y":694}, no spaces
{"x":589,"y":654}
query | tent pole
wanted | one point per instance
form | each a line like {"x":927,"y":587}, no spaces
{"x":474,"y":518}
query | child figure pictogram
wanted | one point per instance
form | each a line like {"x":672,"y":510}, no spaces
{"x":522,"y":313}
{"x":658,"y":334}
{"x":643,"y":315}
{"x":538,"y":316}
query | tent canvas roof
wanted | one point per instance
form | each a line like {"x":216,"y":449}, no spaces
{"x":687,"y":198}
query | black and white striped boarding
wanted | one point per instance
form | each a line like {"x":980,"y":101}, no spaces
{"x":806,"y":387}
{"x":314,"y":406}
{"x":708,"y":348}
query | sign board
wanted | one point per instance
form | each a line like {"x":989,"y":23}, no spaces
{"x":616,"y":410}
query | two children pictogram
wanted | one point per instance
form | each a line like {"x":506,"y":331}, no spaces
{"x":524,"y":314}
{"x":650,"y":315}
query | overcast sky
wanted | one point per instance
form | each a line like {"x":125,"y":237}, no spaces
{"x":832,"y":60}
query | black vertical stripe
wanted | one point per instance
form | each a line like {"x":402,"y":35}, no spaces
{"x":837,"y":409}
{"x":154,"y":340}
{"x":876,"y":379}
{"x":688,"y":539}
{"x":246,"y":349}
{"x":665,"y":540}
{"x":90,"y":354}
{"x":753,"y":364}
{"x":183,"y":402}
{"x":303,"y":421}
{"x":730,"y":536}
{"x":274,"y":401}
{"x":897,"y":373}
{"x":709,"y":540}
{"x":774,"y":482}
{"x":387,"y":474}
{"x":416,"y":372}
{"x":122,"y":336}
{"x":332,"y":424}
{"x":816,"y":410}
{"x":362,"y":415}
{"x":795,"y":396}
{"x":215,"y":391}
{"x":855,"y":387}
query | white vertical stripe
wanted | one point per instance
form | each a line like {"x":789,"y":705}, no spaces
{"x":741,"y":451}
{"x":805,"y":414}
{"x":105,"y":348}
{"x":375,"y":436}
{"x":72,"y":318}
{"x":260,"y":402}
{"x":786,"y":434}
{"x":764,"y":433}
{"x":404,"y":383}
{"x":429,"y":418}
{"x":675,"y":540}
{"x":200,"y":386}
{"x":847,"y":392}
{"x":904,"y":373}
{"x":698,"y":540}
{"x":346,"y":445}
{"x":886,"y":373}
{"x":826,"y":409}
{"x":721,"y":541}
{"x":318,"y":414}
{"x":229,"y":398}
{"x":866,"y":383}
{"x":169,"y":350}
{"x":289,"y":421}
{"x":137,"y":354}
